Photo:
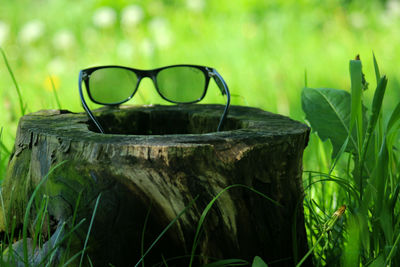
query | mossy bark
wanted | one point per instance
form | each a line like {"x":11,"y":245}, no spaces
{"x":158,"y":160}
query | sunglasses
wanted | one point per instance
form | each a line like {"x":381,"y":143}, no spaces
{"x":179,"y":84}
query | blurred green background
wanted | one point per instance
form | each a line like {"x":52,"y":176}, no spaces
{"x":261,"y":48}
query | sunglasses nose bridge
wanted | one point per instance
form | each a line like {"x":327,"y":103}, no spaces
{"x":144,"y":76}
{"x":153,"y":78}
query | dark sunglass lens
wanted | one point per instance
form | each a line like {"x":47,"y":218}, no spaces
{"x":182,"y":84}
{"x":112,"y":85}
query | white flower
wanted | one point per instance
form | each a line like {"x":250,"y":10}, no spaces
{"x":56,"y":66}
{"x":4,"y":31}
{"x":161,"y":33}
{"x":147,"y":47}
{"x":125,"y":50}
{"x":131,"y":15}
{"x":32,"y":57}
{"x":63,"y":40}
{"x":195,"y":5}
{"x":393,"y":8}
{"x":31,"y":31}
{"x":358,"y":20}
{"x":104,"y":17}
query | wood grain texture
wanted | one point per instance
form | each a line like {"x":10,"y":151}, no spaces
{"x":160,"y":158}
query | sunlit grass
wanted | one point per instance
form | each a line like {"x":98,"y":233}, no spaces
{"x":261,"y":48}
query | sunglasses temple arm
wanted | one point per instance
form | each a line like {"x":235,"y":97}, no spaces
{"x":85,"y":106}
{"x":225,"y":91}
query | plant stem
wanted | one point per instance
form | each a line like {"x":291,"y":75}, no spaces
{"x":21,"y":103}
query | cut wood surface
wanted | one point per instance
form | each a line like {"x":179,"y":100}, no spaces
{"x":158,"y":160}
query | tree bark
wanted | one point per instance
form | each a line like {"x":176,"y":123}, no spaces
{"x":159,"y":160}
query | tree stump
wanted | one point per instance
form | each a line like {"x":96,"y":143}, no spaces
{"x":157,"y":161}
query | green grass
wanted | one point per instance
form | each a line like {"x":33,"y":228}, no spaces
{"x":262,"y":49}
{"x":17,"y":247}
{"x":368,"y":176}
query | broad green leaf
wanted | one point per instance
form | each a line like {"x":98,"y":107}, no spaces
{"x":258,"y":262}
{"x":328,"y":111}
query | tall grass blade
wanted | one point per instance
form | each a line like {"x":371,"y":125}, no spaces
{"x":294,"y":231}
{"x":227,"y":262}
{"x":393,"y":250}
{"x":313,"y":216}
{"x":356,"y":116}
{"x":60,"y":233}
{"x":11,"y":239}
{"x":166,"y":229}
{"x":328,"y":226}
{"x":376,"y":107}
{"x":40,"y":217}
{"x":90,"y":261}
{"x":258,"y":262}
{"x":339,"y":154}
{"x":90,"y":228}
{"x":351,"y":255}
{"x":164,"y":261}
{"x":21,"y":103}
{"x":379,"y":176}
{"x":158,"y":264}
{"x":305,"y":78}
{"x":56,"y":245}
{"x":2,"y":145}
{"x":28,"y":208}
{"x":375,"y":113}
{"x":376,"y":68}
{"x":67,"y":263}
{"x":310,"y":251}
{"x":394,"y":119}
{"x":4,"y":148}
{"x":394,"y":198}
{"x":209,"y":206}
{"x":3,"y":211}
{"x":143,"y":232}
{"x":55,"y":92}
{"x":74,"y":216}
{"x":347,"y":186}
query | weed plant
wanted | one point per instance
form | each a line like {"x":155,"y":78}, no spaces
{"x":363,"y":175}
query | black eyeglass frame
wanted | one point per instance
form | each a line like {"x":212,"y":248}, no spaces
{"x":84,"y":76}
